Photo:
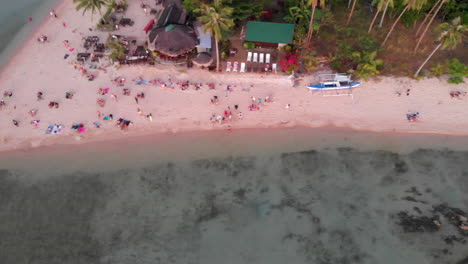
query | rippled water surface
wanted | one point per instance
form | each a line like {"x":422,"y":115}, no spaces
{"x":335,"y":205}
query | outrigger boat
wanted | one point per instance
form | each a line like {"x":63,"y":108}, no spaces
{"x":335,"y":81}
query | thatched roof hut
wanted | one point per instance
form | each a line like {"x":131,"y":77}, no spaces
{"x":172,"y":40}
{"x":203,"y":59}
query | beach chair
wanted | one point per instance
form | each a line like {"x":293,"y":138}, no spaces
{"x":249,"y":56}
{"x":261,"y":57}
{"x":267,"y":58}
{"x":228,"y":66}
{"x":273,"y":67}
{"x":236,"y":64}
{"x":255,"y":57}
{"x":242,"y":69}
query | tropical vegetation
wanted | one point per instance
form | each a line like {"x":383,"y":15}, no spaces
{"x":216,"y":19}
{"x":348,"y":35}
{"x":451,"y":35}
{"x":118,"y":50}
{"x":91,"y":5}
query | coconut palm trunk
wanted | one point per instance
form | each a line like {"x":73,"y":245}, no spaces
{"x":373,"y":20}
{"x":311,"y":24}
{"x":427,"y":59}
{"x":394,"y":24}
{"x":428,"y":25}
{"x":426,"y":17}
{"x":351,"y":12}
{"x":383,"y":14}
{"x":217,"y":53}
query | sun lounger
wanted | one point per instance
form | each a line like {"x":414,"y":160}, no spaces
{"x":261,"y":57}
{"x":267,"y":58}
{"x":255,"y":57}
{"x":242,"y":69}
{"x":273,"y":67}
{"x":236,"y":65}
{"x":249,"y":56}
{"x":228,"y":67}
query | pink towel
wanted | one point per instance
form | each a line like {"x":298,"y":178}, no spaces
{"x":71,"y":50}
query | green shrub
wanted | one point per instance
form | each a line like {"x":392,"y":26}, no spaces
{"x":457,"y":70}
{"x":455,"y":80}
{"x":439,"y":70}
{"x":336,"y":65}
{"x":249,"y":45}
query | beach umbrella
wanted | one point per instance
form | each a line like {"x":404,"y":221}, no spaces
{"x":172,"y":40}
{"x":203,"y":59}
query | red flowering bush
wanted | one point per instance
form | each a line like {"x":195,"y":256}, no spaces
{"x":289,"y":62}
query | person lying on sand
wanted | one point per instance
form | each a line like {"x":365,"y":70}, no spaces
{"x":53,"y":104}
{"x":39,"y":96}
{"x":8,"y":94}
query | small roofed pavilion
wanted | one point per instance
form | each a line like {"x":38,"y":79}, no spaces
{"x":172,"y":40}
{"x":267,"y":34}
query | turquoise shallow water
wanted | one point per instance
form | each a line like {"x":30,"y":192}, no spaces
{"x":287,"y":196}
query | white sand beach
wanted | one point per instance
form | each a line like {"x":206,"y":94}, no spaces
{"x":41,"y":67}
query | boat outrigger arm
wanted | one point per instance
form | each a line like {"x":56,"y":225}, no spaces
{"x":335,"y":81}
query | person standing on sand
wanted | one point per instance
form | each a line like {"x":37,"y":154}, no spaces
{"x":52,"y":13}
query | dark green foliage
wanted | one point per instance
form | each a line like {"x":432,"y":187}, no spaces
{"x":244,"y":9}
{"x":190,"y":5}
{"x":455,"y":8}
{"x":458,"y":71}
{"x":224,"y":47}
{"x":358,"y":54}
{"x":412,"y":16}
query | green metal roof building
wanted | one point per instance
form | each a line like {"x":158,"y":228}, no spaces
{"x":269,"y":34}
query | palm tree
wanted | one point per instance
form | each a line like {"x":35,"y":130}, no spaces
{"x":426,"y":17}
{"x":409,"y":4}
{"x":442,"y":2}
{"x":92,"y":5}
{"x":351,"y":12}
{"x":314,"y":4}
{"x":117,"y":50}
{"x":384,"y":12}
{"x":380,"y":5}
{"x":450,"y":37}
{"x":298,"y":16}
{"x":216,"y":19}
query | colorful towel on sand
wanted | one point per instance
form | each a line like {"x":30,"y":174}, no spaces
{"x":56,"y":129}
{"x":138,"y":82}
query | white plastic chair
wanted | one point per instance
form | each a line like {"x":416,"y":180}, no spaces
{"x":242,"y":69}
{"x":261,"y":57}
{"x":267,"y":58}
{"x":255,"y":57}
{"x":249,"y":56}
{"x":228,"y":66}
{"x":236,"y":64}
{"x":273,"y":67}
